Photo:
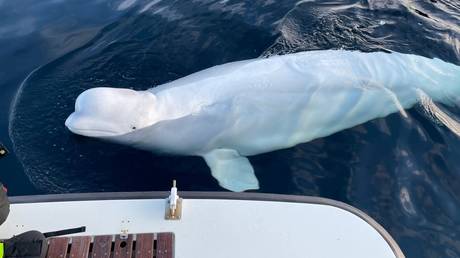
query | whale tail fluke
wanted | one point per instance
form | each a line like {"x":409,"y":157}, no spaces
{"x":231,"y":170}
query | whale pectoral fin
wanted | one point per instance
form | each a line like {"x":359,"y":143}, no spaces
{"x":234,"y":172}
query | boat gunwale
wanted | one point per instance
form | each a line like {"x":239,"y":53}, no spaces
{"x":243,"y":196}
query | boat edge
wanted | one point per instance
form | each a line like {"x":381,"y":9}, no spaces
{"x":246,"y":196}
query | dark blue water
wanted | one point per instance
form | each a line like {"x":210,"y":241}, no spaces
{"x":404,"y":172}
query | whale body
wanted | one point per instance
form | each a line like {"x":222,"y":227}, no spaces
{"x":231,"y":111}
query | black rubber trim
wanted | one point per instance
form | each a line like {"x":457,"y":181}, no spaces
{"x":65,"y":232}
{"x":213,"y":195}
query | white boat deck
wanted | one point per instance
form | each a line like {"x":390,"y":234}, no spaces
{"x":216,"y":226}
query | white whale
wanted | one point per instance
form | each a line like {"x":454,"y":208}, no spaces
{"x":244,"y":108}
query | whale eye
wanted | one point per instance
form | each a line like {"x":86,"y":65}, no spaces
{"x":134,"y":128}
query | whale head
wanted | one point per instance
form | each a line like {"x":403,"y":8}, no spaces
{"x":110,"y":112}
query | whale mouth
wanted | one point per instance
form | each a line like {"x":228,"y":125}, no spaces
{"x":76,"y":127}
{"x":92,"y":132}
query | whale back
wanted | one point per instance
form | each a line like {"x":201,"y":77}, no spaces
{"x":281,"y":101}
{"x":326,"y":68}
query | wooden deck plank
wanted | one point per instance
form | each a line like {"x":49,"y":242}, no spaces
{"x":102,"y":247}
{"x":144,"y":245}
{"x":123,"y":248}
{"x":165,"y":245}
{"x":58,"y":247}
{"x":80,"y":247}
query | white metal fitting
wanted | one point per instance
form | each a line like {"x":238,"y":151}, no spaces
{"x":173,"y":204}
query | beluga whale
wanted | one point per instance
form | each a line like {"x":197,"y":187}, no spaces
{"x":229,"y":112}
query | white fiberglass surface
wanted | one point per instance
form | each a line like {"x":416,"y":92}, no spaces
{"x":216,"y":228}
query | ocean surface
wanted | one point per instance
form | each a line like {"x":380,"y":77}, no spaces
{"x":404,"y":172}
